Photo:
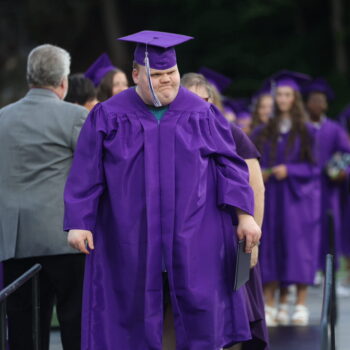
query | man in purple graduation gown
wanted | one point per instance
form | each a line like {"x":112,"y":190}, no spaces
{"x":331,"y":138}
{"x":153,"y":189}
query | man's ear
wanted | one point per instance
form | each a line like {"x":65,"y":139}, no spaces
{"x":64,"y":83}
{"x":135,"y":76}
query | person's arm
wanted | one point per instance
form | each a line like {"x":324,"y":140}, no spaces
{"x":232,"y":178}
{"x":257,"y":183}
{"x":247,"y":150}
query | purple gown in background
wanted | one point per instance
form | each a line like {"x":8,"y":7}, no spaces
{"x":345,"y":219}
{"x":291,"y":228}
{"x":149,"y":191}
{"x":1,"y":276}
{"x":253,"y":288}
{"x":331,"y":138}
{"x":345,"y":205}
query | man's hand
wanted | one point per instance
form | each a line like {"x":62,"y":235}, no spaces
{"x":248,"y":229}
{"x":254,"y":257}
{"x":280,"y":172}
{"x":80,"y":240}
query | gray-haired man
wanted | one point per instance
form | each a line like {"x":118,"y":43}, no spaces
{"x":38,"y":136}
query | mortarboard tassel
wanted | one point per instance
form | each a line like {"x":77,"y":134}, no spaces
{"x":155,"y":99}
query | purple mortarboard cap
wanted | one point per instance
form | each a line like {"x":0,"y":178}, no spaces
{"x":157,"y":46}
{"x":240,"y":107}
{"x":99,"y":69}
{"x":294,"y":80}
{"x":265,"y":90}
{"x":227,"y":103}
{"x":319,"y":85}
{"x":220,"y":81}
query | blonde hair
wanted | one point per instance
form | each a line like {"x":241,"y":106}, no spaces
{"x":216,"y":96}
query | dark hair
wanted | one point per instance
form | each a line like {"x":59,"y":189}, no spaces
{"x":270,"y":133}
{"x":80,"y":89}
{"x":347,"y":124}
{"x":256,"y":121}
{"x":105,"y":88}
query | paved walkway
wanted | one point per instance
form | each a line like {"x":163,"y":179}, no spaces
{"x":315,"y":304}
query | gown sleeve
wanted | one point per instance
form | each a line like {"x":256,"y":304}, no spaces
{"x":233,"y":187}
{"x":304,"y":177}
{"x":244,"y":146}
{"x":343,"y":142}
{"x":302,"y":171}
{"x":85,"y":182}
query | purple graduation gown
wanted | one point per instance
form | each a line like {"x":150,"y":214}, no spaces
{"x":150,"y":191}
{"x":256,"y":312}
{"x":245,"y":148}
{"x":331,"y":138}
{"x":290,"y":240}
{"x":1,"y":276}
{"x":253,"y":288}
{"x":345,"y":219}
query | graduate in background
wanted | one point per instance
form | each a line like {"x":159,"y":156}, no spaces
{"x":245,"y":149}
{"x":81,"y":91}
{"x":107,"y":78}
{"x":243,"y":114}
{"x":344,"y":287}
{"x":262,"y":108}
{"x":289,"y":247}
{"x":219,"y":83}
{"x":229,"y":113}
{"x":331,"y":138}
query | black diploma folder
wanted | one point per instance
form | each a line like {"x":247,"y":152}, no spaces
{"x":242,"y":270}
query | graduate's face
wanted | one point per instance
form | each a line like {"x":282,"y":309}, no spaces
{"x":285,"y":97}
{"x":230,"y":115}
{"x":201,"y":91}
{"x":120,"y":83}
{"x":265,"y":108}
{"x":245,"y":124}
{"x":165,"y":83}
{"x":316,"y":104}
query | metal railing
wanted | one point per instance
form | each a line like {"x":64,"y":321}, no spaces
{"x":328,"y":311}
{"x":333,"y":251}
{"x":11,"y":288}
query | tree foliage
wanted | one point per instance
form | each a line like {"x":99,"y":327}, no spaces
{"x":244,"y":39}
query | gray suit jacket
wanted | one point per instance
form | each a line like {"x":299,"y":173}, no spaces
{"x":38,"y":135}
